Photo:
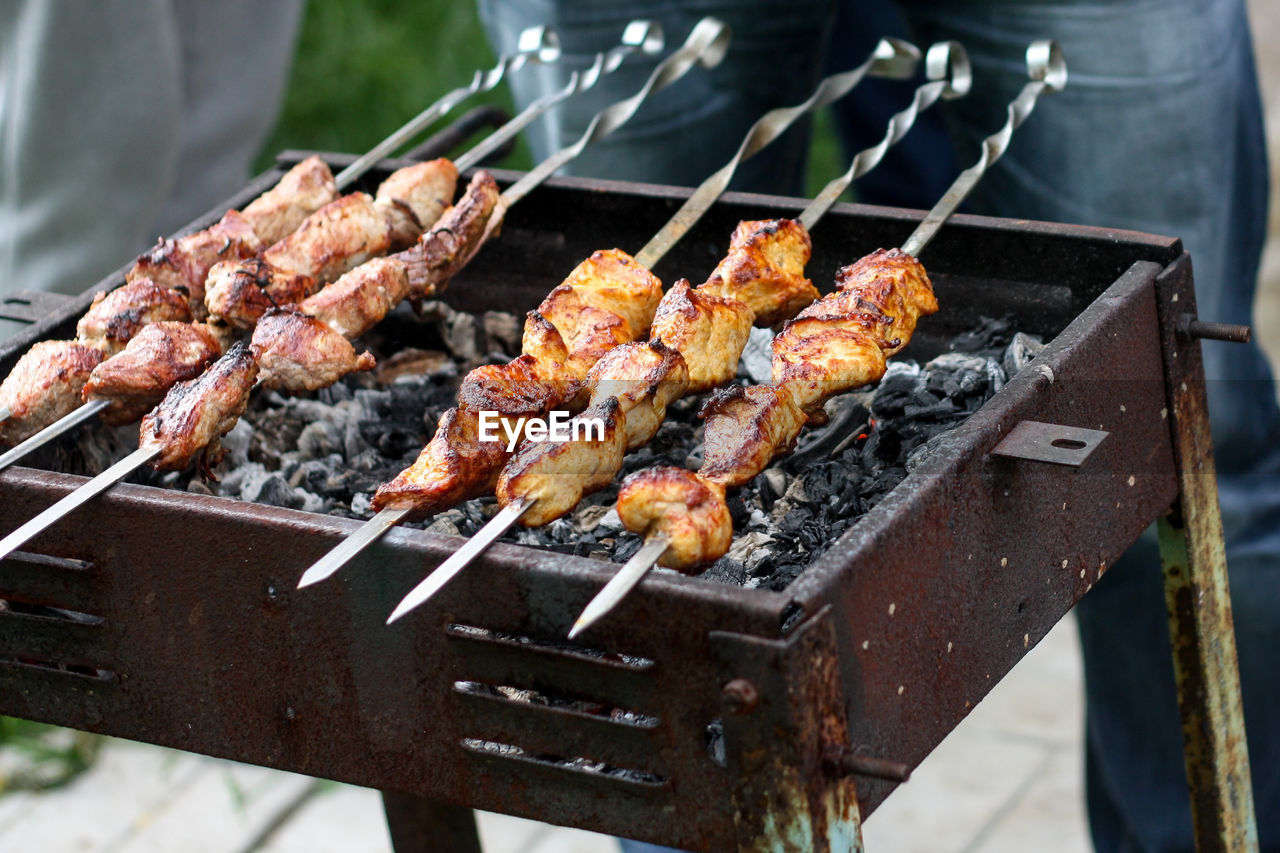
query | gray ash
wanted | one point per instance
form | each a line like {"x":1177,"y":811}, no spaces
{"x":329,"y":452}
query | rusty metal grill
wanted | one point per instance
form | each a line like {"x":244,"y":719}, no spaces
{"x":185,"y":628}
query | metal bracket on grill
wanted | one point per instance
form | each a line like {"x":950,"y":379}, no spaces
{"x":28,"y":306}
{"x":1053,"y":443}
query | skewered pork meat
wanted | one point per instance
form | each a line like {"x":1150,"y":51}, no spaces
{"x":44,"y":386}
{"x":240,"y":292}
{"x":115,"y":317}
{"x":302,"y":191}
{"x":159,"y":356}
{"x":299,"y":353}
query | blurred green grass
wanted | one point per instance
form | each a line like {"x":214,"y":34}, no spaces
{"x":363,"y":69}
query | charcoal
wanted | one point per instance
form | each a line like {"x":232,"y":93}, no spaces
{"x":726,"y":570}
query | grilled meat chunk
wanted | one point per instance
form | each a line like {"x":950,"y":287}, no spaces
{"x":361,"y":298}
{"x":556,"y":474}
{"x":302,"y":191}
{"x":44,"y":386}
{"x":898,"y":287}
{"x":339,"y":236}
{"x":765,"y":269}
{"x":160,"y":355}
{"x":609,"y":280}
{"x":299,"y":353}
{"x":708,"y":330}
{"x":746,"y":428}
{"x":414,"y":197}
{"x":452,"y":242}
{"x":819,"y":356}
{"x":238,"y":293}
{"x":195,"y":414}
{"x":454,"y":466}
{"x":686,"y":509}
{"x":644,"y":378}
{"x":519,"y":388}
{"x":185,"y":262}
{"x":115,"y":317}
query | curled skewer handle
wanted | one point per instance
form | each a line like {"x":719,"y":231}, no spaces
{"x":639,"y":36}
{"x":891,"y":58}
{"x":950,"y":76}
{"x":706,"y":46}
{"x":536,"y":44}
{"x":1048,"y":72}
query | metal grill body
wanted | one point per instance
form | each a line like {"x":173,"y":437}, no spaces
{"x":726,"y":704}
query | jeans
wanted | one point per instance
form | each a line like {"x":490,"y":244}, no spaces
{"x":1158,"y":130}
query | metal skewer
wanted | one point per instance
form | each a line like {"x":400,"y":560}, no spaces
{"x":643,"y":36}
{"x":1048,"y":72}
{"x":535,"y":44}
{"x":705,"y":45}
{"x":891,"y":58}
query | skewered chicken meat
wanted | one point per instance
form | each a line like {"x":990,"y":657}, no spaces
{"x":159,"y":356}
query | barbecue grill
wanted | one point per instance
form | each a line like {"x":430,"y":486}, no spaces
{"x":701,"y":716}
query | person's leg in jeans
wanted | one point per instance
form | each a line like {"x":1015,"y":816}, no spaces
{"x":1159,"y":130}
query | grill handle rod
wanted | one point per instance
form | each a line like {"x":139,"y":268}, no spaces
{"x":947,"y":65}
{"x":706,"y":45}
{"x":1048,"y":72}
{"x":643,"y":36}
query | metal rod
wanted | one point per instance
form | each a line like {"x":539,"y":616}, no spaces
{"x":642,"y":36}
{"x":370,"y":532}
{"x":706,"y":46}
{"x":5,"y":413}
{"x":459,"y":560}
{"x":951,"y":76}
{"x":536,"y":44}
{"x":640,"y":564}
{"x":1230,"y":332}
{"x":1048,"y":72}
{"x":52,"y":431}
{"x":71,"y":502}
{"x":891,"y":58}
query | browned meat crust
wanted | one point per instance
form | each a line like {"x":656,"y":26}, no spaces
{"x":689,"y":511}
{"x":453,"y":241}
{"x":195,"y":414}
{"x":299,"y":353}
{"x":44,"y":386}
{"x":765,"y":269}
{"x":454,"y":466}
{"x":708,"y":330}
{"x":238,"y":293}
{"x":185,"y":262}
{"x":414,"y":197}
{"x":115,"y":317}
{"x":555,"y":475}
{"x":138,"y":377}
{"x":361,"y":298}
{"x":302,"y":191}
{"x":519,"y":388}
{"x":339,"y":236}
{"x":644,"y":378}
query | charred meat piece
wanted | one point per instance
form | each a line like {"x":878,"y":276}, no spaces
{"x":44,"y":386}
{"x":339,"y":236}
{"x":765,"y":269}
{"x":452,"y":242}
{"x":817,"y":357}
{"x":746,"y":429}
{"x":897,"y":287}
{"x":521,"y":387}
{"x":412,"y":198}
{"x":609,"y":280}
{"x":186,"y":262}
{"x":238,"y":293}
{"x":555,"y":475}
{"x":644,"y":378}
{"x":686,"y":509}
{"x":708,"y":330}
{"x":361,"y":298}
{"x":299,"y":353}
{"x":115,"y":317}
{"x":454,"y":466}
{"x":138,"y":377}
{"x":302,"y":191}
{"x":195,"y":414}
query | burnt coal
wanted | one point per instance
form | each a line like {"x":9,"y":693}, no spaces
{"x":328,"y":452}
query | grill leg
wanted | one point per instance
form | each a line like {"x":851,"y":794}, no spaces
{"x":419,"y":825}
{"x":1199,"y":602}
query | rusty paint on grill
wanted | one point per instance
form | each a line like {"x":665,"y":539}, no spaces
{"x":1198,"y":598}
